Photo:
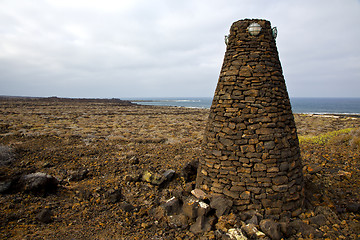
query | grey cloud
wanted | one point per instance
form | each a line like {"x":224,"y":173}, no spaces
{"x":168,"y":48}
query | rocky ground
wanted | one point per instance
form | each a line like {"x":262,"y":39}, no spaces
{"x":106,"y":169}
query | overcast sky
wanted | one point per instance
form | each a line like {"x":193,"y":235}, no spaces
{"x":169,"y":48}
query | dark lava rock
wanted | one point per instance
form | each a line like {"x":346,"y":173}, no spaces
{"x":134,"y":160}
{"x":328,"y":213}
{"x":199,"y":194}
{"x":318,"y":220}
{"x":189,"y":186}
{"x":45,"y":216}
{"x":6,"y":155}
{"x":252,"y":232}
{"x":203,"y":209}
{"x":5,"y":186}
{"x":132,"y":177}
{"x":113,"y":195}
{"x":190,"y":208}
{"x":78,"y":175}
{"x":39,"y":183}
{"x":158,"y":179}
{"x":153,"y":178}
{"x":306,"y":230}
{"x":271,"y":228}
{"x":353,"y":207}
{"x":178,"y":221}
{"x":169,"y":174}
{"x":202,"y":224}
{"x":171,"y":206}
{"x":221,"y":205}
{"x":314,"y":168}
{"x":190,"y":170}
{"x":254,"y":220}
{"x":158,"y":213}
{"x":127,"y":207}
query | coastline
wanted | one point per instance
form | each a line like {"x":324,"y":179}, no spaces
{"x":322,"y":106}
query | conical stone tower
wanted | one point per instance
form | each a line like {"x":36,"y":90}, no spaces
{"x":251,"y":152}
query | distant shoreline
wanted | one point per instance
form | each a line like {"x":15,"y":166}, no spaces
{"x":339,"y":115}
{"x":195,"y":103}
{"x":59,"y":99}
{"x":323,"y":106}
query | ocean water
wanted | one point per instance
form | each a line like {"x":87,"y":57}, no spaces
{"x":299,"y":105}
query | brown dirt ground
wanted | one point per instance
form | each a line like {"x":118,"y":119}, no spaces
{"x":57,"y":137}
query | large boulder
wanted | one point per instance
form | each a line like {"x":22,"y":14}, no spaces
{"x":157,"y":178}
{"x":271,"y":228}
{"x":39,"y":183}
{"x":221,"y":204}
{"x":6,"y":155}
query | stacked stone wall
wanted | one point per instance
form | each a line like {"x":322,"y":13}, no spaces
{"x":251,"y":152}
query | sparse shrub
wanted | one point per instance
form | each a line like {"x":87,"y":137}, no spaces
{"x":340,"y":139}
{"x":349,"y":137}
{"x":355,"y":140}
{"x":6,"y":155}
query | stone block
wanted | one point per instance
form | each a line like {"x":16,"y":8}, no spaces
{"x":245,"y":195}
{"x":203,"y":209}
{"x":226,"y":141}
{"x":190,"y":208}
{"x":280,"y":188}
{"x":255,"y":190}
{"x":201,"y":225}
{"x":271,"y":228}
{"x":216,"y":153}
{"x":252,"y":232}
{"x":199,"y":194}
{"x":269,"y":145}
{"x":280,"y":180}
{"x":245,"y":71}
{"x":240,"y":202}
{"x":216,"y":190}
{"x":171,"y":206}
{"x":244,"y":170}
{"x":233,"y":72}
{"x":273,"y":211}
{"x":273,"y":170}
{"x":260,"y":196}
{"x":237,"y":188}
{"x":259,"y":167}
{"x":231,"y":194}
{"x":247,"y":148}
{"x":221,"y":204}
{"x":265,"y":131}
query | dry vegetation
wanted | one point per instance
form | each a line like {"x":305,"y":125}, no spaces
{"x":111,"y":141}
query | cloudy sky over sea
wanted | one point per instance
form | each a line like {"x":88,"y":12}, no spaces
{"x":169,"y":48}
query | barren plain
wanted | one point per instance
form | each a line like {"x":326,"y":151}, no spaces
{"x":98,"y":150}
